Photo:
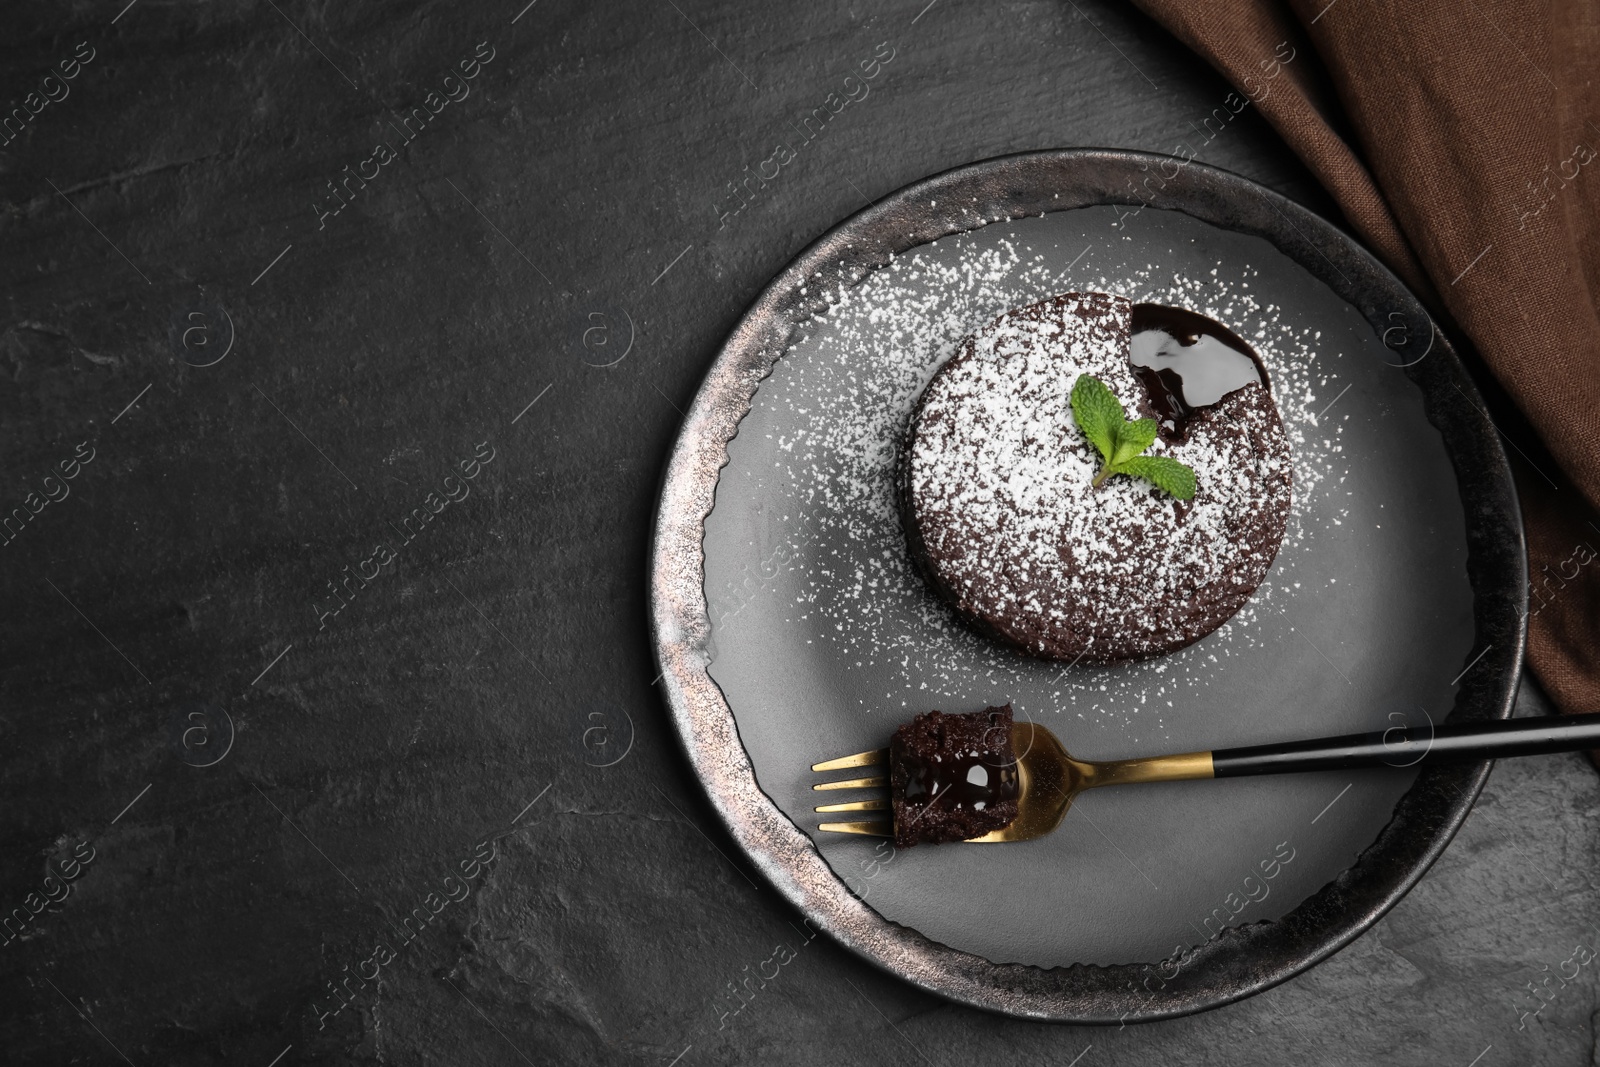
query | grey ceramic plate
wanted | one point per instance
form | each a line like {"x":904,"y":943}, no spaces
{"x":791,"y":627}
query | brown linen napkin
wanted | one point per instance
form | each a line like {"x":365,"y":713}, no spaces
{"x":1462,"y":142}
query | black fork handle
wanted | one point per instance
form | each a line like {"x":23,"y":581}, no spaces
{"x":1402,"y":746}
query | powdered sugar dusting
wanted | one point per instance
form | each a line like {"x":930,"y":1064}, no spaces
{"x":999,"y":482}
{"x":847,"y":393}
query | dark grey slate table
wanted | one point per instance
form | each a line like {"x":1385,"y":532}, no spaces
{"x":328,"y":724}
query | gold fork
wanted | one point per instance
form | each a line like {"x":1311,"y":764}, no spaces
{"x":1049,"y":778}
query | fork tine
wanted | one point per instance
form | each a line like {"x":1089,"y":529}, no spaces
{"x":860,"y":759}
{"x":854,"y":783}
{"x":872,"y":829}
{"x":857,"y":805}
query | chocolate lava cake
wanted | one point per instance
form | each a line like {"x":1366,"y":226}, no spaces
{"x":996,"y":478}
{"x":952,"y":777}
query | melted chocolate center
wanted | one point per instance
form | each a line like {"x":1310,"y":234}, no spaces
{"x":965,"y":780}
{"x":1187,"y":362}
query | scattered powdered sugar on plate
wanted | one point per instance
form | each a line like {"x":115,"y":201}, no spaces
{"x":847,"y":390}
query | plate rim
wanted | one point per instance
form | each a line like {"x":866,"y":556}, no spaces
{"x":1242,"y":960}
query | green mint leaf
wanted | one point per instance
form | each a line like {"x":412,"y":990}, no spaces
{"x":1098,"y":414}
{"x":1133,"y":438}
{"x":1168,"y":475}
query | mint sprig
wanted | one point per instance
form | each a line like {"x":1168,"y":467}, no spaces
{"x":1100,"y":416}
